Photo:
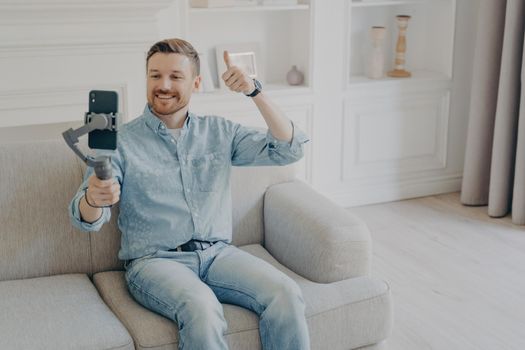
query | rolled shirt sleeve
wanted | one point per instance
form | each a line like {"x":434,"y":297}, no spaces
{"x":252,"y":146}
{"x":74,"y":213}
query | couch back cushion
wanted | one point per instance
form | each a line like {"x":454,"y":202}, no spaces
{"x":248,"y":187}
{"x":37,"y":182}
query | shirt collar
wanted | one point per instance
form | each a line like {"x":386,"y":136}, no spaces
{"x":156,"y":124}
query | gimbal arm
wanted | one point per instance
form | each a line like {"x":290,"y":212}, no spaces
{"x":101,"y":164}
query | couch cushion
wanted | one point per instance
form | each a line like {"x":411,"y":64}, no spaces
{"x":341,"y":315}
{"x":152,"y":331}
{"x":58,"y":312}
{"x":37,"y":182}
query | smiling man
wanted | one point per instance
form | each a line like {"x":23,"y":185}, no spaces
{"x":172,"y":178}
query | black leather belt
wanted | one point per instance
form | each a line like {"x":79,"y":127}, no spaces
{"x":193,"y":245}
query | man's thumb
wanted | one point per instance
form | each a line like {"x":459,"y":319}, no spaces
{"x":227,"y":59}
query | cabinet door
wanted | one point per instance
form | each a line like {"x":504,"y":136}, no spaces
{"x":389,"y":138}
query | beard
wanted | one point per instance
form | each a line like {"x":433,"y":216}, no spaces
{"x":165,"y":103}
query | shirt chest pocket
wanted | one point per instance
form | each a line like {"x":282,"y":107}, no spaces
{"x":208,"y":171}
{"x":158,"y":178}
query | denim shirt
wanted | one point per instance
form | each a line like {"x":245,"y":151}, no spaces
{"x":175,"y":191}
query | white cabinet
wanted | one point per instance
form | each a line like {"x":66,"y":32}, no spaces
{"x":395,"y":130}
{"x":392,"y":136}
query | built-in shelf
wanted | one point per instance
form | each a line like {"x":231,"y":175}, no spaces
{"x":429,"y":39}
{"x":270,"y":89}
{"x":417,"y":76}
{"x":279,"y":35}
{"x":250,"y":8}
{"x":370,"y":3}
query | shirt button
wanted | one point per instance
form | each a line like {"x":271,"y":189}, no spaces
{"x":162,"y":127}
{"x":172,"y":140}
{"x":187,"y":190}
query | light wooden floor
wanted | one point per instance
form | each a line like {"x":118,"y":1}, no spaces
{"x":457,"y":276}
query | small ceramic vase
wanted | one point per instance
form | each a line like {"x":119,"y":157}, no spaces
{"x":295,"y":77}
{"x":376,"y":59}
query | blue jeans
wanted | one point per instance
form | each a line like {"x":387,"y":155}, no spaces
{"x":189,"y":287}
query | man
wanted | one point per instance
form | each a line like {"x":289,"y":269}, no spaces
{"x":173,"y":182}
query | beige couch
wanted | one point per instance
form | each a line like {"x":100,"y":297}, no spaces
{"x":64,"y":289}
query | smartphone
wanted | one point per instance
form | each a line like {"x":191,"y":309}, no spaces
{"x":101,"y":101}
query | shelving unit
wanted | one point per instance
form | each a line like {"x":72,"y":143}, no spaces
{"x":283,"y":34}
{"x":430,"y":37}
{"x":396,"y":129}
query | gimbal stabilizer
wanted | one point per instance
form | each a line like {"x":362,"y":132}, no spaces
{"x":94,"y":121}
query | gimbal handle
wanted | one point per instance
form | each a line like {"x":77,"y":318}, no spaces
{"x":96,"y":121}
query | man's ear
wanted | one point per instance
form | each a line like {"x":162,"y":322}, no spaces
{"x":197,"y":83}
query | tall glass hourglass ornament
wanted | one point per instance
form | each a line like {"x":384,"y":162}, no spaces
{"x":399,"y":66}
{"x":376,"y":58}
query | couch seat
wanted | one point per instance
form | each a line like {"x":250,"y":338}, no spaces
{"x":341,"y":315}
{"x":58,"y":312}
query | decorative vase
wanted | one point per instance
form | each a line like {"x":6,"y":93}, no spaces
{"x":295,"y":77}
{"x":401,"y":47}
{"x":376,"y":58}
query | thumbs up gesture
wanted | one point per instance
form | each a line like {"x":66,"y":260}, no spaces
{"x":235,"y":78}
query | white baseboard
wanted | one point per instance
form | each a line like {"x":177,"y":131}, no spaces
{"x":394,"y":191}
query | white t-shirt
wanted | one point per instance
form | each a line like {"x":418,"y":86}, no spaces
{"x":175,"y":133}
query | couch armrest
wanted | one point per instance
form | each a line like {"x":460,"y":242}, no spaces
{"x":313,"y":236}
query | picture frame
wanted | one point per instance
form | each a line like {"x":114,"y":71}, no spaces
{"x":246,"y":56}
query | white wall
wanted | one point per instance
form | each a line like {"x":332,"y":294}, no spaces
{"x":52,"y":54}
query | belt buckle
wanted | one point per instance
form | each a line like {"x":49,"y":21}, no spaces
{"x":194,"y":245}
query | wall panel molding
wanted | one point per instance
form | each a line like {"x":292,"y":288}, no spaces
{"x":385,"y":137}
{"x":106,"y":8}
{"x":52,"y":105}
{"x":394,"y":190}
{"x":77,"y":27}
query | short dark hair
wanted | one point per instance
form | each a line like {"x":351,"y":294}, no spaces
{"x":179,"y":46}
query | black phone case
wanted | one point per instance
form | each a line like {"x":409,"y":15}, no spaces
{"x":101,"y":101}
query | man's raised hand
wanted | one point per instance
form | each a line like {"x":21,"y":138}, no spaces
{"x":235,"y":78}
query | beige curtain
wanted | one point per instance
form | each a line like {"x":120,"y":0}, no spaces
{"x":494,"y":171}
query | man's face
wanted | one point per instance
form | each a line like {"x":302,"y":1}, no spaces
{"x":171,"y":81}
